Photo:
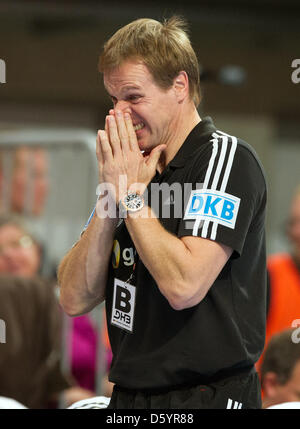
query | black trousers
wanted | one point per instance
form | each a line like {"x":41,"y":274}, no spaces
{"x":239,"y":391}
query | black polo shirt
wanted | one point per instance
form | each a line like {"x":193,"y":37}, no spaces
{"x":213,"y":188}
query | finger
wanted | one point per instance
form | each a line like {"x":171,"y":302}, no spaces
{"x":122,"y":129}
{"x":107,"y":121}
{"x":106,"y":149}
{"x":106,"y":125}
{"x":154,"y":156}
{"x":132,"y":136}
{"x":113,"y":135}
{"x":98,"y":148}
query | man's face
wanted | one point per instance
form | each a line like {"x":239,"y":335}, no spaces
{"x":154,"y":111}
{"x":294,"y":224}
{"x":18,"y":254}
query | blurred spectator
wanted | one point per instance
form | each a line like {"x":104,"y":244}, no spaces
{"x":84,"y":346}
{"x":20,"y":255}
{"x":284,"y":277}
{"x":280,"y":370}
{"x":29,"y":179}
{"x":30,"y":358}
{"x":283,"y":303}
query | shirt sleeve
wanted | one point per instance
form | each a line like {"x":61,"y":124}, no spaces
{"x":227,"y":199}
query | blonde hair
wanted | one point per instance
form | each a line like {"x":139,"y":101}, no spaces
{"x":164,"y":48}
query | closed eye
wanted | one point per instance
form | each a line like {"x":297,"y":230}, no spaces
{"x":133,"y":97}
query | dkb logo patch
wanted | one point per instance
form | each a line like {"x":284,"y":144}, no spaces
{"x":213,"y":206}
{"x":123,"y":305}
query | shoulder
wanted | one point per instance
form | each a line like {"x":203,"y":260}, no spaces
{"x":226,"y":148}
{"x":228,"y":160}
{"x":241,"y":152}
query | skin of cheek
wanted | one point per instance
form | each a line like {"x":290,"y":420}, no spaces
{"x":157,"y":127}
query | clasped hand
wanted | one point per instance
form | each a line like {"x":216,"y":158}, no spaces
{"x":120,"y":161}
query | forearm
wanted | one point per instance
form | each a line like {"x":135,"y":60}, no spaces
{"x":82,"y":274}
{"x":165,"y":256}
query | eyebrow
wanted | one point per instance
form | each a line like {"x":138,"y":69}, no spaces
{"x":130,"y":87}
{"x":126,"y":89}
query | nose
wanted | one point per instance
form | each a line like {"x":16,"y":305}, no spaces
{"x":124,"y":106}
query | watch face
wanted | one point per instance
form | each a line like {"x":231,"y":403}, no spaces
{"x":133,"y":202}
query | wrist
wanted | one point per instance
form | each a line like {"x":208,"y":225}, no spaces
{"x":131,"y":202}
{"x":144,"y":213}
{"x":135,"y":188}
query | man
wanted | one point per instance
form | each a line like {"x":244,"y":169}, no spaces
{"x":280,"y":371}
{"x":185,"y":294}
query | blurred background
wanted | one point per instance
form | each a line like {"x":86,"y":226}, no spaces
{"x":54,"y":95}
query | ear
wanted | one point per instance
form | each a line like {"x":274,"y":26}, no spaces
{"x":181,"y":86}
{"x":270,"y":384}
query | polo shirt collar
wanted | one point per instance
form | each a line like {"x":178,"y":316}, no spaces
{"x":201,"y":133}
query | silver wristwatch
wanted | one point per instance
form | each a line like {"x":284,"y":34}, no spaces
{"x":132,"y":202}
